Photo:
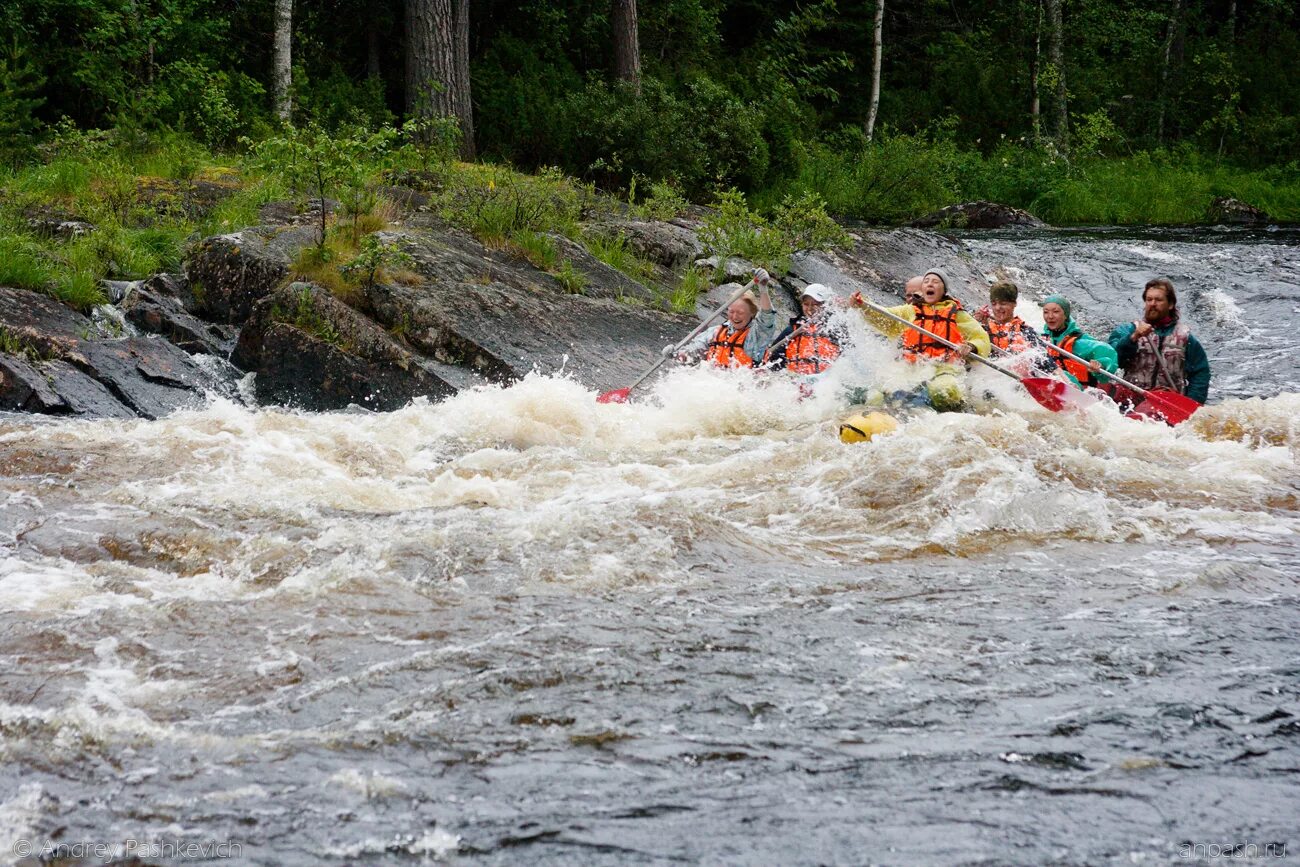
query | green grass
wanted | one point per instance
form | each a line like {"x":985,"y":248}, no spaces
{"x":686,"y":294}
{"x":615,"y":252}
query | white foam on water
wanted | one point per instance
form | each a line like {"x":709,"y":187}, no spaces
{"x":434,"y":844}
{"x":372,"y":785}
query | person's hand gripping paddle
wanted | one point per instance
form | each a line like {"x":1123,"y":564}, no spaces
{"x":621,"y":395}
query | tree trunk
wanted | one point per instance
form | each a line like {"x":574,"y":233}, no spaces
{"x":1056,"y":56}
{"x":1035,"y":106}
{"x":627,"y":45}
{"x":1175,"y":20}
{"x":437,"y":64}
{"x":875,"y":70}
{"x":282,"y":65}
{"x":372,"y":44}
{"x":1231,"y":30}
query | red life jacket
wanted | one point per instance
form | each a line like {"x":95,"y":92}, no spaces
{"x":1010,"y":336}
{"x":943,"y":323}
{"x":729,"y":351}
{"x":810,"y":352}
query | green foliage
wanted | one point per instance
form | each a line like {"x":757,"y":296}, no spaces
{"x":664,"y":202}
{"x":495,"y":203}
{"x":341,"y":164}
{"x":20,"y":95}
{"x":615,"y":252}
{"x":304,"y":316}
{"x":573,"y":280}
{"x":374,"y":257}
{"x":23,"y":266}
{"x":686,"y":294}
{"x":337,"y":101}
{"x":804,"y":224}
{"x":800,"y":222}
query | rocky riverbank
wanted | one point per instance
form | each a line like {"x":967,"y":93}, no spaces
{"x":461,"y":314}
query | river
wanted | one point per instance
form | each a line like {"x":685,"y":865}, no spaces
{"x":522,"y":627}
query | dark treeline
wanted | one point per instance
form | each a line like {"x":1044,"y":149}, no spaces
{"x":707,"y":93}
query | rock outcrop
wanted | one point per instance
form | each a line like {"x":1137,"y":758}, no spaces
{"x":979,"y":215}
{"x":228,"y":274}
{"x":312,"y":351}
{"x":1227,"y":211}
{"x":56,"y":361}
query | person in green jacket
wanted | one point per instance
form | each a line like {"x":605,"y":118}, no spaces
{"x":1061,"y":330}
{"x":1159,"y":350}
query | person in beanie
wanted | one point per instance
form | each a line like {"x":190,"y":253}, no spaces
{"x":1159,"y":351}
{"x":942,"y":315}
{"x":1060,"y":330}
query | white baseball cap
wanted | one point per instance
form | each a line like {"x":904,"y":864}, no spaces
{"x":817,"y":292}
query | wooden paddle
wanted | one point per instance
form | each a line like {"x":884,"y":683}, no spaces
{"x":1173,"y":407}
{"x":1050,"y":393}
{"x":620,"y":395}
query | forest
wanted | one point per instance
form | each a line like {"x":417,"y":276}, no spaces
{"x":1083,"y":111}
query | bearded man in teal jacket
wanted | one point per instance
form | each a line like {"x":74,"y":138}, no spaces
{"x":1159,"y":351}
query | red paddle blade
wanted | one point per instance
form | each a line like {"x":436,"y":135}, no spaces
{"x":618,"y":395}
{"x":1171,"y":406}
{"x":1056,"y":395}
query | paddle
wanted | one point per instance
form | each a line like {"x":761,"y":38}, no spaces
{"x":768,"y":360}
{"x":620,"y":395}
{"x":1050,"y":393}
{"x":1175,"y":408}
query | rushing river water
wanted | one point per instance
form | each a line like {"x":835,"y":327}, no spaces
{"x":522,"y":627}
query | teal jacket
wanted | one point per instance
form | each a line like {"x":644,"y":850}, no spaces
{"x":1088,"y":348}
{"x":1196,"y":364}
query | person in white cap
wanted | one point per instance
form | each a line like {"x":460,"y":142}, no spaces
{"x":810,"y":346}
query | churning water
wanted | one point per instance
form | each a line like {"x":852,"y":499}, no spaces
{"x":519,"y":626}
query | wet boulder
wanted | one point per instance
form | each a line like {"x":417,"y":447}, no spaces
{"x":83,"y":373}
{"x":879,"y":263}
{"x":228,"y":274}
{"x":157,"y":305}
{"x":502,"y":323}
{"x":311,"y":350}
{"x":671,"y":245}
{"x":1227,"y":211}
{"x":979,"y":215}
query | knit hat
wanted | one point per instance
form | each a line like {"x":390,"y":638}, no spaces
{"x":1059,"y":300}
{"x":1004,"y":290}
{"x":942,"y":275}
{"x":817,"y":292}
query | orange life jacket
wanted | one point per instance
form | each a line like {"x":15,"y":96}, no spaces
{"x":1069,"y":365}
{"x":727,"y":351}
{"x":810,"y":352}
{"x":1009,"y":336}
{"x":943,"y":323}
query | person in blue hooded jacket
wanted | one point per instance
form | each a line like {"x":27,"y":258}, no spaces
{"x":1061,"y":330}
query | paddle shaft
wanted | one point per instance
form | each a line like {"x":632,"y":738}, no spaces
{"x":1068,"y":354}
{"x":694,"y":334}
{"x":975,"y":355}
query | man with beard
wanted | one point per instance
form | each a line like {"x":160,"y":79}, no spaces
{"x":1159,"y":351}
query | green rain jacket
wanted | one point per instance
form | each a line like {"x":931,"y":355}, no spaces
{"x":1088,"y":348}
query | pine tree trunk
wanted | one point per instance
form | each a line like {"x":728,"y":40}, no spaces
{"x":875,"y":69}
{"x":1035,"y":106}
{"x":1175,"y":20}
{"x":1231,"y":29}
{"x":437,"y":64}
{"x":282,"y":64}
{"x":627,"y":45}
{"x":463,"y":103}
{"x":1056,"y":56}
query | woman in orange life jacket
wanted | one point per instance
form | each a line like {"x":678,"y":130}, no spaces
{"x":1060,"y":330}
{"x":814,"y":345}
{"x":743,"y":338}
{"x":942,"y":315}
